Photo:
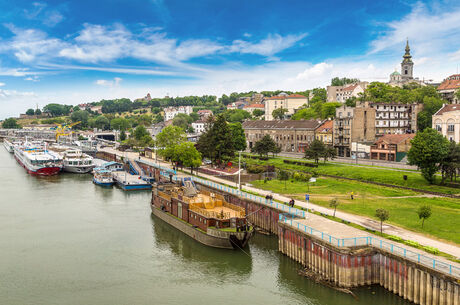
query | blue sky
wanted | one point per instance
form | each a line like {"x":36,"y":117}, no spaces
{"x":82,"y":51}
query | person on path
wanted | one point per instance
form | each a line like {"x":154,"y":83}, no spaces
{"x":352,"y":195}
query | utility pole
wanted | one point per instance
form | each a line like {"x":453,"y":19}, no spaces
{"x":239,"y":170}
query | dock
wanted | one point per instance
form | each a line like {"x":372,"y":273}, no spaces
{"x":130,"y":182}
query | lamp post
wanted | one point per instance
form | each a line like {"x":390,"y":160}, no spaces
{"x":239,"y":170}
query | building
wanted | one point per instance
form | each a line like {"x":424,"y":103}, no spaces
{"x":171,"y":112}
{"x":391,"y":147}
{"x":406,"y":75}
{"x":292,"y":136}
{"x":447,"y":121}
{"x":324,"y":132}
{"x":290,"y":102}
{"x":199,"y":126}
{"x":394,"y":118}
{"x":257,"y":98}
{"x":449,"y":87}
{"x":342,"y":130}
{"x":38,"y":126}
{"x":204,"y":114}
{"x":342,"y":93}
{"x":237,"y":105}
{"x":250,"y":108}
{"x":96,"y":109}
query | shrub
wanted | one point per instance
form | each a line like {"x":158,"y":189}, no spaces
{"x":255,"y":169}
{"x":412,"y":243}
{"x":431,"y":250}
{"x":395,"y":238}
{"x":314,"y":173}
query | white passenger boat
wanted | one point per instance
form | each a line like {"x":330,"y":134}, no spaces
{"x":37,"y":159}
{"x":75,"y":161}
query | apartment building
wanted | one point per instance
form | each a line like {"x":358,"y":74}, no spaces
{"x":283,"y":100}
{"x":342,"y":93}
{"x":394,"y":118}
{"x":449,"y":87}
{"x":171,"y":112}
{"x":391,"y":147}
{"x":324,"y":132}
{"x":292,"y":136}
{"x":447,"y":122}
{"x":342,"y":130}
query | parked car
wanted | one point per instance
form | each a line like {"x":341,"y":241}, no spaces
{"x":207,"y":161}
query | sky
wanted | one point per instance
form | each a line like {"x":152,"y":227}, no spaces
{"x":82,"y":51}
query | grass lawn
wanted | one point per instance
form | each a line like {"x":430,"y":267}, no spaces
{"x":443,"y":223}
{"x":377,"y":174}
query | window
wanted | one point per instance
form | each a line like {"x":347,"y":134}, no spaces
{"x":450,"y":128}
{"x":405,"y":71}
{"x":438,"y":127}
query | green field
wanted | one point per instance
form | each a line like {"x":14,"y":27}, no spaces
{"x":375,"y":174}
{"x":402,"y":204}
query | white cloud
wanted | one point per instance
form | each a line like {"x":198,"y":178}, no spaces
{"x":33,"y":78}
{"x":2,"y":84}
{"x":269,"y":46}
{"x":12,"y":94}
{"x":108,"y":83}
{"x":315,"y":71}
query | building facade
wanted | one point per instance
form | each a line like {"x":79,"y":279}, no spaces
{"x":391,"y":147}
{"x":199,"y":126}
{"x":342,"y":130}
{"x":324,"y":132}
{"x":342,"y":93}
{"x":290,"y":102}
{"x":394,"y":118}
{"x":449,"y":87}
{"x":406,"y":75}
{"x":292,"y":136}
{"x":447,"y":122}
{"x":250,"y":108}
{"x":171,"y":112}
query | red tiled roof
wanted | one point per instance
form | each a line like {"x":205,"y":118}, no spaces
{"x":282,"y":124}
{"x":296,"y":96}
{"x":255,"y":106}
{"x":452,"y":82}
{"x":282,"y":97}
{"x":395,"y":138}
{"x":448,"y":108}
{"x":326,"y":126}
{"x":350,"y":88}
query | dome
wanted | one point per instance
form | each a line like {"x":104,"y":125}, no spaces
{"x":395,"y":73}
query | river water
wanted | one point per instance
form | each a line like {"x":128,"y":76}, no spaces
{"x":64,"y":240}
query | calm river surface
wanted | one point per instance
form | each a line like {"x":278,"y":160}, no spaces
{"x":64,"y":240}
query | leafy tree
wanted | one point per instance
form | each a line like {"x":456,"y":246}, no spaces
{"x":38,"y":112}
{"x":382,"y":215}
{"x":278,"y":114}
{"x":11,"y":123}
{"x":334,"y":203}
{"x":239,"y":139}
{"x":305,"y":114}
{"x":120,"y":123}
{"x":102,"y":122}
{"x":283,"y":176}
{"x":216,"y":143}
{"x":140,"y":132}
{"x":329,"y":153}
{"x":450,"y":165}
{"x":122,"y":136}
{"x":328,"y":110}
{"x":428,"y":150}
{"x":157,"y":119}
{"x":146,"y":140}
{"x":194,"y":117}
{"x":430,"y":106}
{"x":182,"y":120}
{"x":168,"y":140}
{"x":319,"y":95}
{"x":424,"y":212}
{"x":265,"y":146}
{"x":145,"y":120}
{"x":315,"y":151}
{"x":457,"y":95}
{"x":80,"y":115}
{"x":30,"y":111}
{"x":188,"y":155}
{"x":351,"y":102}
{"x":57,"y":109}
{"x":336,"y":81}
{"x":236,"y":115}
{"x":258,"y":113}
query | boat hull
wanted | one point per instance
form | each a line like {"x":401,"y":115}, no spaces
{"x":78,"y":169}
{"x":44,"y":171}
{"x":103,"y":184}
{"x":200,"y":236}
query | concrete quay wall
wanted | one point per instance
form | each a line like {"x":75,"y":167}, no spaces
{"x":358,"y":266}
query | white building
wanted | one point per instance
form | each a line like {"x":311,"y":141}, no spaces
{"x":447,"y":122}
{"x":199,"y":126}
{"x":342,"y":93}
{"x":290,"y":102}
{"x":171,"y":112}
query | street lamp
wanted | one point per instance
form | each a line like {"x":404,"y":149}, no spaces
{"x":239,"y":170}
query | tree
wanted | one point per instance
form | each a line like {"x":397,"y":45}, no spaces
{"x":328,"y":110}
{"x":168,"y":139}
{"x":145,"y":120}
{"x":315,"y":151}
{"x":457,"y":95}
{"x":430,"y":106}
{"x":239,"y":139}
{"x":305,"y":114}
{"x":38,"y":112}
{"x":188,"y":155}
{"x":450,"y":165}
{"x":257,"y":113}
{"x":334,"y":203}
{"x":11,"y":123}
{"x":424,"y":212}
{"x":428,"y":149}
{"x":216,"y":143}
{"x":140,"y":132}
{"x":30,"y":111}
{"x":265,"y":146}
{"x":382,"y":215}
{"x":122,"y":136}
{"x":329,"y":153}
{"x":120,"y":124}
{"x":278,"y":114}
{"x":182,"y":120}
{"x":57,"y":109}
{"x":336,"y":81}
{"x":102,"y":122}
{"x":80,"y":115}
{"x":283,"y":176}
{"x":236,"y":115}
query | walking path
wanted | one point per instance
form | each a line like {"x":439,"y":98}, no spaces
{"x":366,"y":222}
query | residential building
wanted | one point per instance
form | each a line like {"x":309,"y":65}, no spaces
{"x":292,"y":136}
{"x":324,"y":132}
{"x":171,"y":112}
{"x":363,"y":127}
{"x":342,"y":130}
{"x":199,"y":126}
{"x":449,"y":87}
{"x":251,"y":107}
{"x":447,"y":121}
{"x":391,"y":147}
{"x":290,"y":102}
{"x":96,"y":109}
{"x":236,"y":105}
{"x":406,"y":75}
{"x":257,"y":98}
{"x":342,"y":93}
{"x":204,"y":114}
{"x":394,"y":118}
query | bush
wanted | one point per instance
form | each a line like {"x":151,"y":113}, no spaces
{"x":255,"y":169}
{"x":395,"y":238}
{"x":431,"y":250}
{"x":314,"y":173}
{"x":412,"y":243}
{"x":299,"y":176}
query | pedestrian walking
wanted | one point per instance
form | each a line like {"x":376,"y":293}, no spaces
{"x":352,"y":195}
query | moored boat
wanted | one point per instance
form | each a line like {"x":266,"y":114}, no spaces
{"x":206,"y":217}
{"x":103,"y":177}
{"x":37,"y":159}
{"x":75,"y":161}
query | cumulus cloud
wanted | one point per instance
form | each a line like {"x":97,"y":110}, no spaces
{"x":2,"y":84}
{"x":108,"y":83}
{"x":315,"y":71}
{"x":269,"y":46}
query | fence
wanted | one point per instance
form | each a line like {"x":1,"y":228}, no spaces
{"x":377,"y":243}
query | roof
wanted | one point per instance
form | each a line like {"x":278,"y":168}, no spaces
{"x":448,"y":108}
{"x":282,"y":124}
{"x":204,"y":111}
{"x":395,"y":73}
{"x":395,"y":138}
{"x":326,"y":126}
{"x":255,"y":106}
{"x":452,"y":82}
{"x":282,"y":97}
{"x":350,"y":88}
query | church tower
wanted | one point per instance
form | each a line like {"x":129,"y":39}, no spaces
{"x":407,"y":65}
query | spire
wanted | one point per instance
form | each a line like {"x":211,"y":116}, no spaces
{"x":407,"y":57}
